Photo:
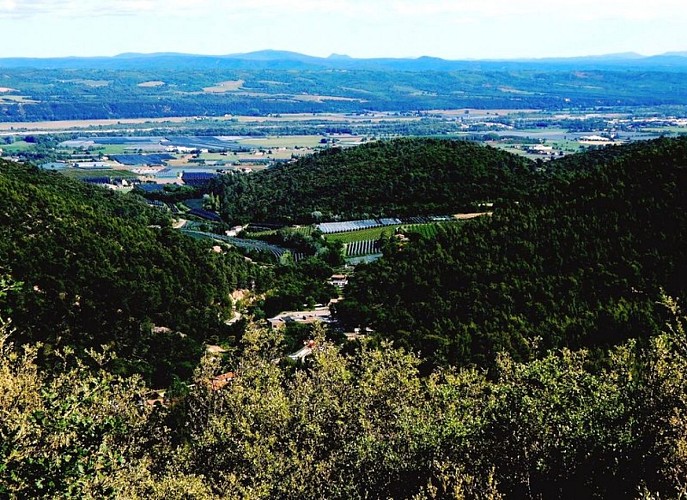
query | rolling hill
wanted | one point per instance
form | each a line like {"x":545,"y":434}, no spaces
{"x":582,"y":262}
{"x":390,"y":178}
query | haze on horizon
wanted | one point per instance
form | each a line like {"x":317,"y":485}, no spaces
{"x":451,"y":29}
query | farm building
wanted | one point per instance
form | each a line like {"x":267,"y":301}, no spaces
{"x":197,"y":179}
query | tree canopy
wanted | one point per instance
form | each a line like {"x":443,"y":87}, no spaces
{"x":401,"y":177}
{"x":361,"y":426}
{"x":580,"y":262}
{"x":101,"y":268}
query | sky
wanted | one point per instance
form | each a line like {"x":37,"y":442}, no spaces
{"x":451,"y":29}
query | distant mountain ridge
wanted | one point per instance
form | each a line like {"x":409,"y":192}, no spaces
{"x":279,"y":59}
{"x":276,"y":82}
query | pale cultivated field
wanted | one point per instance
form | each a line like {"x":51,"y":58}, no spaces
{"x":92,"y":83}
{"x":335,"y":117}
{"x":480,"y":112}
{"x":471,"y":215}
{"x":228,"y":86}
{"x":322,"y":98}
{"x":153,"y":83}
{"x":290,"y":142}
{"x":17,"y":99}
{"x":84,"y":124}
{"x":8,"y":128}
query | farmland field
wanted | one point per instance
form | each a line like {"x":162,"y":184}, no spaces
{"x":112,"y":149}
{"x":427,"y":230}
{"x":304,"y":230}
{"x":365,"y":234}
{"x":17,"y":146}
{"x":52,"y":126}
{"x":290,"y":141}
{"x":248,"y":233}
{"x":222,"y":87}
{"x":76,"y":173}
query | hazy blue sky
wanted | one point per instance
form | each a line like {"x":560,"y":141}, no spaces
{"x":453,"y":29}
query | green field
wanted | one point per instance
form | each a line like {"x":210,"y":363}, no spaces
{"x":363,"y":235}
{"x":76,"y":173}
{"x":427,"y":230}
{"x":217,"y":156}
{"x":17,"y":146}
{"x":114,"y":149}
{"x":304,"y":230}
{"x":258,"y":234}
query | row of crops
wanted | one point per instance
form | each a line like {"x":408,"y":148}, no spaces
{"x":247,"y":244}
{"x":365,"y":247}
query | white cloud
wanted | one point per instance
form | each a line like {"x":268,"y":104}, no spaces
{"x":560,"y":10}
{"x":363,"y":28}
{"x":73,"y":8}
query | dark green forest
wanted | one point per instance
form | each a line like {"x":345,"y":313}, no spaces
{"x":98,"y":268}
{"x":580,"y":262}
{"x":402,"y":177}
{"x":536,"y":352}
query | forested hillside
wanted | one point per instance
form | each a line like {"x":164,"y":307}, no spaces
{"x":576,"y":356}
{"x":580,"y":264}
{"x":101,"y":268}
{"x":388,"y":178}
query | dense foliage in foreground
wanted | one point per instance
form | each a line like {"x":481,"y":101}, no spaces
{"x":389,"y":178}
{"x":364,"y":426}
{"x":101,"y":268}
{"x":579,"y":264}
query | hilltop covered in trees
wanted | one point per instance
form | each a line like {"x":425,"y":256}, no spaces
{"x":388,"y":178}
{"x":580,"y":263}
{"x":100,"y":268}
